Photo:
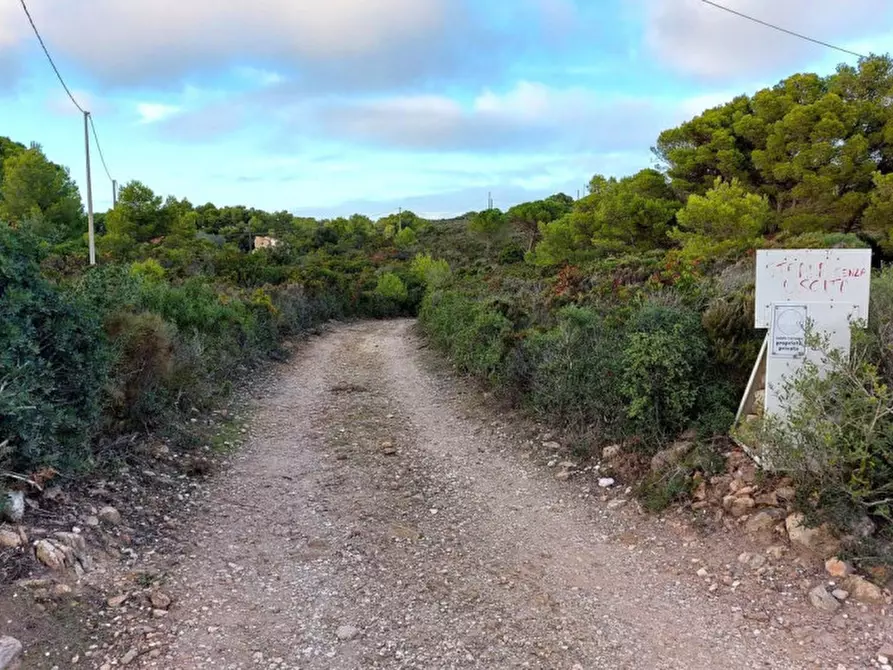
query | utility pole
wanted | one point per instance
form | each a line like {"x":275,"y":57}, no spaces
{"x":489,"y":200}
{"x":90,"y":232}
{"x":399,"y":219}
{"x":114,"y":192}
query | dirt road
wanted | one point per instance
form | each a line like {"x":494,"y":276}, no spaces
{"x":378,"y":518}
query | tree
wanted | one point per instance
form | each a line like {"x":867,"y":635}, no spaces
{"x":528,"y":216}
{"x":41,"y":194}
{"x":631,"y":214}
{"x":877,"y":224}
{"x":491,"y":224}
{"x":138,"y":218}
{"x":726,"y":218}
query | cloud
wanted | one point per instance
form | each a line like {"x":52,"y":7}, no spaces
{"x":694,"y":38}
{"x":59,"y":103}
{"x":529,"y":117}
{"x":162,"y":41}
{"x":151,"y":112}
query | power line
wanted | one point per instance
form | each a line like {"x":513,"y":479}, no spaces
{"x":99,"y":149}
{"x":783,"y":30}
{"x":50,"y":58}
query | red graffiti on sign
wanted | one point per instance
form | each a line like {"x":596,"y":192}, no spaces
{"x":816,"y":277}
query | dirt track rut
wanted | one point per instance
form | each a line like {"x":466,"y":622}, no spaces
{"x":321,"y":548}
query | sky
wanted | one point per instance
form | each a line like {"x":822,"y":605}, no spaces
{"x":343,"y":106}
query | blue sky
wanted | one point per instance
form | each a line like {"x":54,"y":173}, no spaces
{"x":327,"y":108}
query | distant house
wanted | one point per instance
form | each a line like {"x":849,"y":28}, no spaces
{"x":261,"y":242}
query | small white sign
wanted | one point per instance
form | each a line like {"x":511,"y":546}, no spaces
{"x":788,"y":331}
{"x":812,"y":275}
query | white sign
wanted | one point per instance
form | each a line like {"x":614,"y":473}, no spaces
{"x":788,"y":331}
{"x":812,"y":275}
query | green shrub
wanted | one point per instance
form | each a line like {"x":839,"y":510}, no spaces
{"x":144,"y":360}
{"x":574,"y":373}
{"x":53,"y":363}
{"x":836,"y":441}
{"x":664,"y":362}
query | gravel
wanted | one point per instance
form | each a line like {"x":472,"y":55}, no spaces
{"x":385,"y":515}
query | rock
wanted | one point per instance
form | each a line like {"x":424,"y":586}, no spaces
{"x":760,"y":522}
{"x":757,"y":561}
{"x":821,"y":599}
{"x":738,"y":505}
{"x":160,"y":600}
{"x":837,"y":568}
{"x":346,"y":633}
{"x":611,"y":452}
{"x":702,"y":573}
{"x":886,"y":650}
{"x":776,"y":551}
{"x":840,"y":594}
{"x":10,"y":650}
{"x":671,"y":456}
{"x":388,"y":448}
{"x":767,"y":500}
{"x":785,"y":493}
{"x":9,"y":539}
{"x":130,"y":656}
{"x":605,"y":482}
{"x":864,"y":591}
{"x":110,"y":515}
{"x":700,"y":492}
{"x":616,"y":503}
{"x":49,"y":554}
{"x":551,"y":446}
{"x":818,"y":540}
{"x":13,"y":509}
{"x":117,"y":601}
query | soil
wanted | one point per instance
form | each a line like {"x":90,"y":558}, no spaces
{"x":385,"y":514}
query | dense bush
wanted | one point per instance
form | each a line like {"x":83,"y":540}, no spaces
{"x":53,"y":363}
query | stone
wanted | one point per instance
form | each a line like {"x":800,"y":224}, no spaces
{"x":738,"y":505}
{"x":551,"y":446}
{"x":671,"y":456}
{"x":9,"y":539}
{"x":10,"y":651}
{"x":129,"y":657}
{"x":49,"y":554}
{"x":760,"y":522}
{"x":785,"y":493}
{"x":886,"y":650}
{"x":117,"y":601}
{"x":776,"y":552}
{"x":605,"y":482}
{"x":110,"y":515}
{"x":864,"y":591}
{"x":611,"y":451}
{"x":388,"y":448}
{"x":767,"y":500}
{"x":91,"y":521}
{"x":818,"y":540}
{"x":702,"y":573}
{"x":821,"y":599}
{"x":840,"y":594}
{"x":160,"y":600}
{"x":837,"y":568}
{"x":757,"y":561}
{"x":347,"y":633}
{"x":13,"y":508}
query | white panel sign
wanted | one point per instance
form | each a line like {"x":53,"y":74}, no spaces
{"x":831,"y":320}
{"x":812,"y":275}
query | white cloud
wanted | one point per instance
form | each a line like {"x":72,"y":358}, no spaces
{"x":118,"y":39}
{"x":150,"y":112}
{"x":692,"y":37}
{"x":529,"y":116}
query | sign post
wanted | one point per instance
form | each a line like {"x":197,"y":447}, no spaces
{"x":800,"y":292}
